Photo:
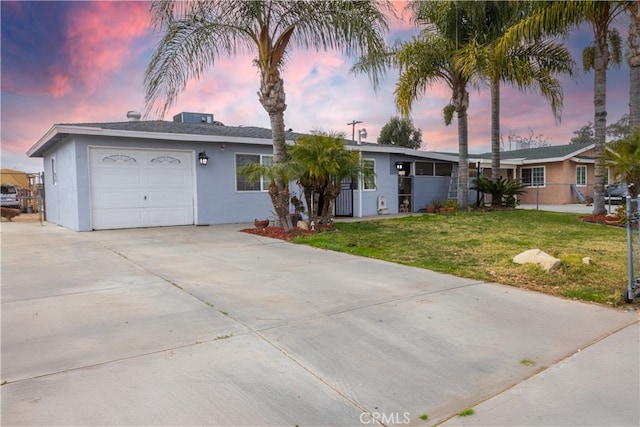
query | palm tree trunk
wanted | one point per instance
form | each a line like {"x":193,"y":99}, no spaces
{"x":272,"y":98}
{"x":600,"y":62}
{"x":632,"y":55}
{"x":461,"y":102}
{"x":495,"y":129}
{"x":331,"y":193}
{"x":308,"y":198}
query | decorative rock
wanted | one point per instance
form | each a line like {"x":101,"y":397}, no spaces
{"x":587,"y":260}
{"x":302,"y":225}
{"x":536,"y":256}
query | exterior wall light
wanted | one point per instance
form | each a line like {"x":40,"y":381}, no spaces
{"x":399,"y":166}
{"x":203,"y":158}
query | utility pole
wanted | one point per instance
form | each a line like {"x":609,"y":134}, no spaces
{"x":353,"y":128}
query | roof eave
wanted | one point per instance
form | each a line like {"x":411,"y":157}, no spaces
{"x":389,"y":149}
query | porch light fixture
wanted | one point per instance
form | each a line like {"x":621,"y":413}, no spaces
{"x":203,"y":158}
{"x":399,"y":166}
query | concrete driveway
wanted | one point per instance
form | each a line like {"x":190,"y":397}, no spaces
{"x":209,"y":326}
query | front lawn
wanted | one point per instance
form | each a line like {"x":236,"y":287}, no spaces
{"x":481,"y":245}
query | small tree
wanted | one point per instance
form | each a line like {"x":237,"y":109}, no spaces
{"x":615,"y":131}
{"x":401,"y":132}
{"x":584,"y":135}
{"x":321,"y":162}
{"x":620,"y":129}
{"x":529,"y":141}
{"x":623,"y":157}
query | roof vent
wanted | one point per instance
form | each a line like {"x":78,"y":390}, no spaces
{"x":133,"y":116}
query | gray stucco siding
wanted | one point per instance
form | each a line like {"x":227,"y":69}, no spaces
{"x":386,"y":185}
{"x":219,"y":202}
{"x":429,"y":188}
{"x":61,"y":197}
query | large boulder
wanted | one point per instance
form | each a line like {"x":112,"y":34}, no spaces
{"x":536,"y":256}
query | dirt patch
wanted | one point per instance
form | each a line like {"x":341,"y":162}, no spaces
{"x":279,"y":233}
{"x":603,"y":219}
{"x":25,"y":217}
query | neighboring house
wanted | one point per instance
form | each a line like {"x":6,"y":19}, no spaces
{"x":149,"y":173}
{"x":26,"y":187}
{"x":559,"y":174}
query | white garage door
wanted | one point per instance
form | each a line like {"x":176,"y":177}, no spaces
{"x":140,"y":188}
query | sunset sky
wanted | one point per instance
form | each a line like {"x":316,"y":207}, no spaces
{"x":75,"y":62}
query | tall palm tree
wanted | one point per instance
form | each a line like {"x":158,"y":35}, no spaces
{"x":197,"y":32}
{"x":556,"y":17}
{"x":530,"y":65}
{"x":632,"y":55}
{"x":426,"y":60}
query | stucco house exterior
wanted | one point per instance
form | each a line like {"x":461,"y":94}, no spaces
{"x":560,"y":174}
{"x":148,"y":173}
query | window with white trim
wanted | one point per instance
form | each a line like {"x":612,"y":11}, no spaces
{"x":426,"y":168}
{"x":368,"y":174}
{"x":533,"y":177}
{"x":242,"y":184}
{"x":581,"y":175}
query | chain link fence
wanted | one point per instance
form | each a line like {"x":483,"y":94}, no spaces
{"x":633,"y":248}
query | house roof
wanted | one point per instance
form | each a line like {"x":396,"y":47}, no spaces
{"x":156,"y":129}
{"x":161,"y":126}
{"x":552,"y":153}
{"x":196,"y":132}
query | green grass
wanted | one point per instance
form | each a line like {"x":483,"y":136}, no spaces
{"x":481,"y":245}
{"x":466,"y":413}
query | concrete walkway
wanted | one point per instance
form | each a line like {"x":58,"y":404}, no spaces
{"x":209,"y":326}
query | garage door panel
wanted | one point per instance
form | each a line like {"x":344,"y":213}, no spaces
{"x":167,"y":216}
{"x":116,"y":178}
{"x":118,"y":218}
{"x":111,"y":199}
{"x":168,"y":178}
{"x":141,"y":188}
{"x":158,"y":198}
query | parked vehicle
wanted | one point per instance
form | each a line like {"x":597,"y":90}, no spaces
{"x":9,"y":197}
{"x":616,"y":193}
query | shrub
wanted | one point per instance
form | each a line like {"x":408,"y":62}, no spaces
{"x":503,"y":191}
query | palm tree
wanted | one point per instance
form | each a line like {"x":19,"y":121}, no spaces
{"x":197,"y":32}
{"x":322,"y":162}
{"x":423,"y":62}
{"x":426,"y":60}
{"x":632,"y":55}
{"x":557,"y":17}
{"x":525,"y":65}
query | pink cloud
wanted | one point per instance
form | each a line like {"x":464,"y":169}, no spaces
{"x":100,"y":37}
{"x":59,"y":86}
